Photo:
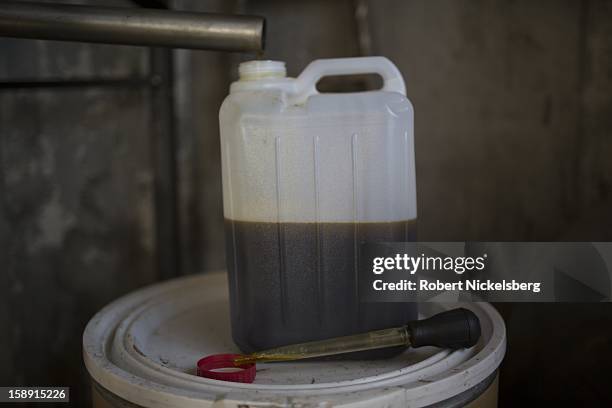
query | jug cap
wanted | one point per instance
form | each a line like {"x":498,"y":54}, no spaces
{"x":207,"y":366}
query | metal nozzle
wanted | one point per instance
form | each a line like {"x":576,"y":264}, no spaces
{"x":132,"y":26}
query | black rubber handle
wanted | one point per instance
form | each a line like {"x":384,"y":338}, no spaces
{"x":453,"y":329}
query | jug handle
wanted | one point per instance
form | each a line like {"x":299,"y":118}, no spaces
{"x":306,"y":82}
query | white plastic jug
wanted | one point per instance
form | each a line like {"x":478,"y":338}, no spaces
{"x":307,"y":178}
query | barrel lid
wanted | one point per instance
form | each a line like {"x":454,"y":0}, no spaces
{"x":144,"y":347}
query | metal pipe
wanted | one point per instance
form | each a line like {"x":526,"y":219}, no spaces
{"x":132,"y":26}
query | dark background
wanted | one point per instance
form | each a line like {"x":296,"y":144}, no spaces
{"x":110,"y":176}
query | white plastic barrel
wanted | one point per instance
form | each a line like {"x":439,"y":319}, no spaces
{"x":141,"y":351}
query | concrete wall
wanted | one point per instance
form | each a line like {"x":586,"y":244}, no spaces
{"x":76,"y":199}
{"x":513,"y":131}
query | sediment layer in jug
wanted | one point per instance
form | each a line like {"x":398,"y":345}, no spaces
{"x":295,"y":282}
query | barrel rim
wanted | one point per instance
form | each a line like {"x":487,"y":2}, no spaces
{"x":142,"y":385}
